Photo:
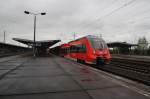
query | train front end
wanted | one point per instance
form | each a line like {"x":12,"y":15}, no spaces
{"x":100,"y":51}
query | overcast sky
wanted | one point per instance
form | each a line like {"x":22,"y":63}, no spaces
{"x":115,"y":20}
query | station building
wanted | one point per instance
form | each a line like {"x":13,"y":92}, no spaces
{"x":121,"y":47}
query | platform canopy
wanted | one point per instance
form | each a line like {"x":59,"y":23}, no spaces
{"x":7,"y":45}
{"x":41,"y":47}
{"x":122,"y":47}
{"x":120,"y":44}
{"x":44,"y":43}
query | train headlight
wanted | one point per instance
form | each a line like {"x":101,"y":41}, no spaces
{"x":100,"y":52}
{"x":94,"y":52}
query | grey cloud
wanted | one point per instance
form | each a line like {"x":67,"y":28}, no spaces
{"x":65,"y":17}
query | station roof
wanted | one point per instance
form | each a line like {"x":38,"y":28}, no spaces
{"x":120,"y":44}
{"x":11,"y":45}
{"x":44,"y":43}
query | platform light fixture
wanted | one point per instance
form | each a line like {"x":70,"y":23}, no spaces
{"x":34,"y":14}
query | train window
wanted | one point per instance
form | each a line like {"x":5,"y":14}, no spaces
{"x":78,"y":48}
{"x":65,"y":50}
{"x":68,"y":50}
{"x":83,"y":48}
{"x":97,"y":43}
{"x":72,"y":49}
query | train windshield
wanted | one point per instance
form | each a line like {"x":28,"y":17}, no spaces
{"x":98,"y":43}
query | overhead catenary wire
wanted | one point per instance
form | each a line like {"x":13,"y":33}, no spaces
{"x":106,"y":6}
{"x":110,"y":13}
{"x":113,"y":2}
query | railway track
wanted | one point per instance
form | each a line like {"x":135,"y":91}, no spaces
{"x":134,"y":69}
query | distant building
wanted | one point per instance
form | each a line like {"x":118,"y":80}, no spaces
{"x":121,"y":47}
{"x":142,"y":44}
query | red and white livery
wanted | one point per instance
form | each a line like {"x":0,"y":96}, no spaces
{"x":89,"y":49}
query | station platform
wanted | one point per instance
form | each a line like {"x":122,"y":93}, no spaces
{"x":58,"y":78}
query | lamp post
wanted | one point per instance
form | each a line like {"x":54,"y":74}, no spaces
{"x":34,"y":14}
{"x":4,"y":37}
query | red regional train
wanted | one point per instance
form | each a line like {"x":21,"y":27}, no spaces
{"x":88,"y":49}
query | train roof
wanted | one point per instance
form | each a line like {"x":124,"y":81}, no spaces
{"x":93,"y":37}
{"x":88,"y":37}
{"x":65,"y":45}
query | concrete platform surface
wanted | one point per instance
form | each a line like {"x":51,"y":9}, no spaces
{"x":57,"y":78}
